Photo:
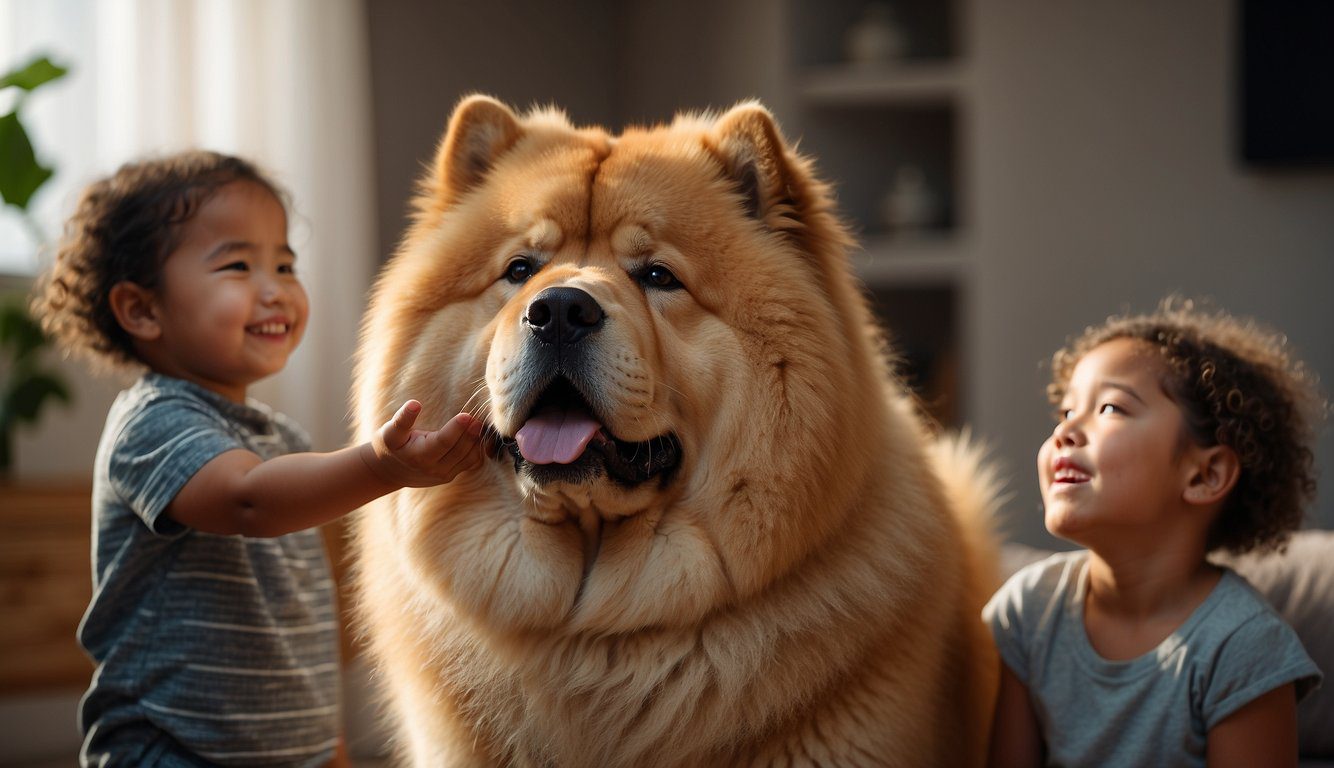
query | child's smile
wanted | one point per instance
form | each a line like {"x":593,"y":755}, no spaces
{"x":1066,"y":472}
{"x":271,"y":330}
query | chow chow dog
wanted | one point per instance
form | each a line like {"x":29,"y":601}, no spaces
{"x":714,"y":528}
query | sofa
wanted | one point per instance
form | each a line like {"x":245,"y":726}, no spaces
{"x":1299,"y":583}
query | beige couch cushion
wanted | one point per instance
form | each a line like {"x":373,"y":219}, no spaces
{"x":1300,"y":586}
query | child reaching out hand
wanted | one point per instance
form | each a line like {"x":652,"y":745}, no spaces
{"x":212,"y":623}
{"x":1179,"y":433}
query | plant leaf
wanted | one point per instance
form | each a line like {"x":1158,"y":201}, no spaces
{"x":38,"y":71}
{"x":20,"y":173}
{"x":20,"y":332}
{"x":26,"y":398}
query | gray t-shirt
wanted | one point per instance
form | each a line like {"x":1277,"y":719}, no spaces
{"x":1156,"y":709}
{"x":209,"y":649}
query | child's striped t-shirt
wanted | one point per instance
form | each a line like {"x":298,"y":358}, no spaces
{"x":209,"y":649}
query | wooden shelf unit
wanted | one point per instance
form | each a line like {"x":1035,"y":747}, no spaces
{"x":865,"y":122}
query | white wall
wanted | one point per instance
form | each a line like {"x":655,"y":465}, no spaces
{"x":427,"y":54}
{"x":1106,"y":178}
{"x":693,"y":55}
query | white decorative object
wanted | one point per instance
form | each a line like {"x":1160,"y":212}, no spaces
{"x":910,"y":205}
{"x":877,"y":37}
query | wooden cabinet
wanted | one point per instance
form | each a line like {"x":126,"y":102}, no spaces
{"x":45,"y":584}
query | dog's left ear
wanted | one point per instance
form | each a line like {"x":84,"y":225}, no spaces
{"x":751,"y":148}
{"x":480,"y":131}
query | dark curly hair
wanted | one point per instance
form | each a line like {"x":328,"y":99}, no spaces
{"x":124,"y":228}
{"x":1237,"y":384}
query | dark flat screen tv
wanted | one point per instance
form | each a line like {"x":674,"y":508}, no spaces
{"x":1286,"y":82}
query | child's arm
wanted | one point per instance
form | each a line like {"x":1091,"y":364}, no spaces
{"x":1016,"y":739}
{"x":237,"y":492}
{"x":1262,"y":733}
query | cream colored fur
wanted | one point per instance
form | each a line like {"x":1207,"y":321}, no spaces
{"x":804,"y":589}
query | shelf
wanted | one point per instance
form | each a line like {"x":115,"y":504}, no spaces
{"x":908,"y":83}
{"x":921,"y":323}
{"x":925,"y":259}
{"x":869,"y":122}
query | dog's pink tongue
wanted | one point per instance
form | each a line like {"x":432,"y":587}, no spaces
{"x":558,"y":436}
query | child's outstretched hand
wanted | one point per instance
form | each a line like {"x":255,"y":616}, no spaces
{"x":415,"y":458}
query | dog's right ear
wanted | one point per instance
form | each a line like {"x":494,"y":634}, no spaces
{"x":480,"y":131}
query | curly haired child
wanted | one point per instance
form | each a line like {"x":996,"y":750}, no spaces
{"x":1178,"y":433}
{"x":212,"y":622}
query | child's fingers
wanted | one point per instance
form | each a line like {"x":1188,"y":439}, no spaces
{"x":478,"y":457}
{"x":467,"y":453}
{"x":462,"y":428}
{"x":464,"y":462}
{"x":397,"y":430}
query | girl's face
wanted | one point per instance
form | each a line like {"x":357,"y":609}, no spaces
{"x":229,"y":304}
{"x":1116,"y":459}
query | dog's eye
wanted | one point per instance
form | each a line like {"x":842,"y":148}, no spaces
{"x":519,"y":270}
{"x":658,"y":276}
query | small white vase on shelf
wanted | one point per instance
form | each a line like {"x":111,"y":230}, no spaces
{"x":877,"y":37}
{"x":910,"y":205}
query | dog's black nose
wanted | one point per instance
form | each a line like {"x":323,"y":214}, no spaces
{"x":563,"y":315}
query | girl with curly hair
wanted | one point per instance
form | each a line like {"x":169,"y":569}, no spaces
{"x":1178,"y":433}
{"x":212,"y":622}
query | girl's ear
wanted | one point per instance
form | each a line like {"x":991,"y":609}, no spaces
{"x":1213,"y":474}
{"x":135,"y":310}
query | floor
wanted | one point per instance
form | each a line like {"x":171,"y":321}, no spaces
{"x":37,"y":729}
{"x":363,"y":763}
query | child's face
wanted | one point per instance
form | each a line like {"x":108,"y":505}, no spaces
{"x":230,"y":306}
{"x":1115,"y":459}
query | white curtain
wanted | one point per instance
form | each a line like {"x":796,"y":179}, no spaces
{"x":282,"y":82}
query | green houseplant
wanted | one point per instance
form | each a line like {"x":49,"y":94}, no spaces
{"x":26,"y":386}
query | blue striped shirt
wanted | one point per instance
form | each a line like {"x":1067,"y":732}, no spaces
{"x":209,"y":649}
